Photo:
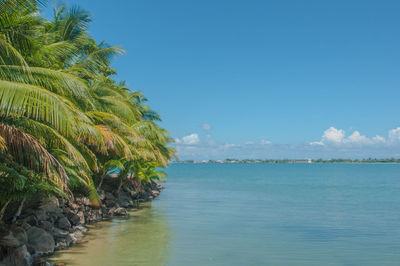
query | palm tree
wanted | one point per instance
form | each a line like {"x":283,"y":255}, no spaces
{"x":62,"y":116}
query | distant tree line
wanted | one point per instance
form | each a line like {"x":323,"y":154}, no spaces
{"x":335,"y":160}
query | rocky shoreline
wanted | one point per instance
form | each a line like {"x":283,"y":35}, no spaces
{"x":49,"y":224}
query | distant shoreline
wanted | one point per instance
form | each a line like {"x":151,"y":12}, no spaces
{"x":300,"y":161}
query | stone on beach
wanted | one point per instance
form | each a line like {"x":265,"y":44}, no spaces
{"x":40,"y":241}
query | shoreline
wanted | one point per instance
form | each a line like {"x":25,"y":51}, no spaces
{"x":284,"y":163}
{"x":50,"y":224}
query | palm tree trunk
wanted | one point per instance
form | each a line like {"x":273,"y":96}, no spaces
{"x":18,"y":213}
{"x":101,"y":182}
{"x":3,"y":209}
{"x":120,"y":186}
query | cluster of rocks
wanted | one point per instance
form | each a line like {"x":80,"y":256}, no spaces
{"x":56,"y":223}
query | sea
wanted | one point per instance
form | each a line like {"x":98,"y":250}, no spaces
{"x":256,"y":214}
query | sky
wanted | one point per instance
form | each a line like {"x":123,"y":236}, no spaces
{"x":262,"y":79}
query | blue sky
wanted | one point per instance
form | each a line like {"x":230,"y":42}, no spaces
{"x":263,"y":79}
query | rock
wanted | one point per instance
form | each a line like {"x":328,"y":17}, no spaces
{"x":134,"y":194}
{"x":25,"y":226}
{"x":64,"y":242}
{"x":119,"y":211}
{"x":102,"y":195}
{"x":76,"y":236}
{"x":41,"y":215}
{"x":84,"y":200}
{"x":20,"y":234}
{"x":59,"y":213}
{"x":109,"y":196}
{"x":49,"y":204}
{"x":74,"y":206}
{"x":17,"y":256}
{"x":73,"y":218}
{"x":46,"y":225}
{"x":30,"y":220}
{"x":155,"y":193}
{"x":93,"y":216}
{"x":39,"y":241}
{"x":7,"y":239}
{"x":109,"y":203}
{"x":125,"y":203}
{"x":80,"y":228}
{"x":63,"y":223}
{"x":59,"y":233}
{"x":81,"y":216}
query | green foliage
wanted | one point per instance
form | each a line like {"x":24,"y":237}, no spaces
{"x":63,"y":119}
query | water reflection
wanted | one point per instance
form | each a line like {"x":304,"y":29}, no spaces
{"x":141,"y":239}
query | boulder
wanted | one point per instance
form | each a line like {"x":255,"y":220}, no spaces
{"x":73,"y":218}
{"x":76,"y":236}
{"x":30,"y":220}
{"x":125,"y":203}
{"x":58,"y":213}
{"x":41,"y":215}
{"x":73,"y":206}
{"x":80,"y":227}
{"x":40,"y":242}
{"x":49,"y":204}
{"x":59,"y":233}
{"x":25,"y":226}
{"x":46,"y":225}
{"x":63,"y":223}
{"x":102,"y":195}
{"x":118,"y":212}
{"x":109,"y":203}
{"x":20,"y":234}
{"x":63,"y":243}
{"x":109,"y":196}
{"x":7,"y":239}
{"x":81,"y":216}
{"x":84,"y":200}
{"x":134,"y":194}
{"x":17,"y":256}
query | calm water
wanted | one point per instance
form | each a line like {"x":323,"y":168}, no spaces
{"x":258,"y":214}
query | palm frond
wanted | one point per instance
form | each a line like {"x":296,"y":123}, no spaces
{"x":23,"y":100}
{"x":121,"y":108}
{"x":53,"y":140}
{"x":118,"y":126}
{"x":55,"y":81}
{"x":28,"y":151}
{"x":114,"y":142}
{"x":9,"y":55}
{"x":96,"y":60}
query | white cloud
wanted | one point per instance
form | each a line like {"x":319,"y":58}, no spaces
{"x":206,"y":127}
{"x":394,"y":135}
{"x":333,"y":143}
{"x":337,"y":136}
{"x":230,"y":145}
{"x":356,"y":137}
{"x":191,"y":139}
{"x":261,"y":142}
{"x":378,"y":139}
{"x":333,"y":135}
{"x":316,"y":143}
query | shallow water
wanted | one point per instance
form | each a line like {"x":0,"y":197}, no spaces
{"x":257,"y":214}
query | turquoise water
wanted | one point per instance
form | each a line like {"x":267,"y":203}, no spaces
{"x":259,"y":214}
